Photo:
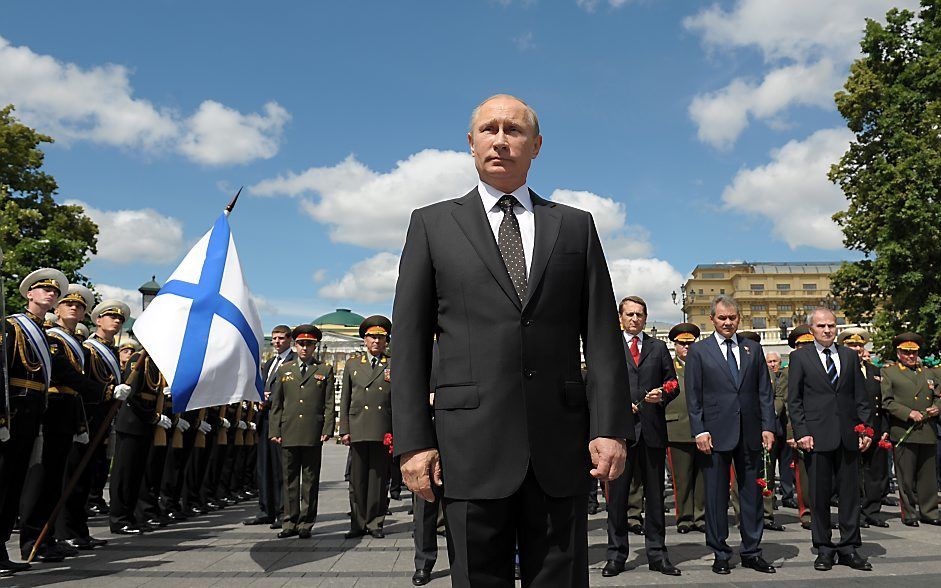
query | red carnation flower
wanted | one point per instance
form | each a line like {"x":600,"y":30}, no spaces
{"x":885,"y":444}
{"x":870,"y":432}
{"x":860,"y":428}
{"x":670,"y":386}
{"x":762,"y":482}
{"x":766,"y":492}
{"x":793,"y":465}
{"x":387,"y":440}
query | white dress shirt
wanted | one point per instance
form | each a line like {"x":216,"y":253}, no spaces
{"x":725,"y":348}
{"x":278,"y":361}
{"x":640,"y":340}
{"x":823,"y":356}
{"x":524,"y":216}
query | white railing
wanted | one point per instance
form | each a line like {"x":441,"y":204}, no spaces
{"x":767,"y":335}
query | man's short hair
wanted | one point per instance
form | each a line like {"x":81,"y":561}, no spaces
{"x":635,"y":300}
{"x":282,"y":329}
{"x":810,"y":317}
{"x":724,"y":300}
{"x":530,"y":113}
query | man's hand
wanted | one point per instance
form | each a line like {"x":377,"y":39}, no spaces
{"x":704,"y":443}
{"x":121,"y":391}
{"x":916,"y":416}
{"x":792,"y":443}
{"x":345,"y":439}
{"x":267,"y":395}
{"x":182,"y":425}
{"x":864,"y":443}
{"x":204,"y":427}
{"x":276,"y":440}
{"x":164,"y":422}
{"x":932,"y":411}
{"x":225,"y":423}
{"x":80,"y":438}
{"x":654,"y":396}
{"x":323,"y":438}
{"x":806,"y":443}
{"x":634,"y":408}
{"x":242,"y":425}
{"x":4,"y":434}
{"x":767,"y":440}
{"x":419,"y":468}
{"x":608,"y":455}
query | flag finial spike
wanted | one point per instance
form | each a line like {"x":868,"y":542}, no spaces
{"x":231,"y":205}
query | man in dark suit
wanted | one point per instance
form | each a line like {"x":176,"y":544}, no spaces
{"x":268,"y":465}
{"x":653,"y":386}
{"x":512,"y":284}
{"x":827,"y":399}
{"x":731,"y":416}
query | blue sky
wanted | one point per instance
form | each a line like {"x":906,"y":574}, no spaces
{"x":696,"y":132}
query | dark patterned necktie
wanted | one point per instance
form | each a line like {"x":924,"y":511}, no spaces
{"x":510,"y":242}
{"x":303,"y":369}
{"x":831,"y":368}
{"x":730,"y":357}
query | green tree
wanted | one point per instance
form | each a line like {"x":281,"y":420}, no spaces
{"x":891,"y":175}
{"x":35,"y":231}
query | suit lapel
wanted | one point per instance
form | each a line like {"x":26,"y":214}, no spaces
{"x":472,"y":219}
{"x":718,"y":356}
{"x":818,"y":365}
{"x":845,"y":364}
{"x":548,"y":222}
{"x":744,"y":360}
{"x":627,"y":351}
{"x":377,"y":371}
{"x":645,"y":348}
{"x":310,"y":372}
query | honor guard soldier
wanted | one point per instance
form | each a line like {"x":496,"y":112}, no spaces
{"x":62,"y":423}
{"x":366,"y":427}
{"x":688,"y":481}
{"x":797,"y":338}
{"x":301,"y":420}
{"x":128,"y":348}
{"x":81,"y":332}
{"x":148,"y":500}
{"x":913,"y":408}
{"x":28,"y":357}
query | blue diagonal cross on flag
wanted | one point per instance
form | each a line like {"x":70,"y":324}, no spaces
{"x":203,"y":330}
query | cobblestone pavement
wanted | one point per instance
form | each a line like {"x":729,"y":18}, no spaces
{"x":217,"y":550}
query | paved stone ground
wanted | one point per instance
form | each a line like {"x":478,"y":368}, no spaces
{"x":217,"y":550}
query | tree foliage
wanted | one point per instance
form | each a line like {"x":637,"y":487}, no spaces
{"x":891,"y":175}
{"x":35,"y":231}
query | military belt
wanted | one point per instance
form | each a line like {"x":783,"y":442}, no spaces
{"x":62,"y":390}
{"x":27,"y":385}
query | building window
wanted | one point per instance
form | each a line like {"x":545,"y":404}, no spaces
{"x":808,"y":308}
{"x":759,"y":323}
{"x":785,"y":308}
{"x":721,"y":290}
{"x":713,"y":275}
{"x":784,"y":287}
{"x":755,"y":287}
{"x":700,"y":290}
{"x":810,"y":287}
{"x":759,"y":307}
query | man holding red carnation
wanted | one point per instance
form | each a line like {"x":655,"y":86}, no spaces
{"x":830,"y":413}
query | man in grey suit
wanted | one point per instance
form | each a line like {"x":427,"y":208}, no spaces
{"x":512,"y":284}
{"x":731,"y":416}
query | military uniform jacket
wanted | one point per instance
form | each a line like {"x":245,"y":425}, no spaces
{"x":25,"y":371}
{"x":905,"y":390}
{"x":96,"y":369}
{"x":676,"y":413}
{"x":366,"y":399}
{"x":779,"y":381}
{"x":302,"y":408}
{"x":65,"y":412}
{"x":879,"y":421}
{"x":139,"y":413}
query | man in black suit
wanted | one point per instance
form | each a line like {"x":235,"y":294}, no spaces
{"x":827,"y":400}
{"x":731,"y":416}
{"x":653,"y":386}
{"x":268,"y":464}
{"x":512,"y":284}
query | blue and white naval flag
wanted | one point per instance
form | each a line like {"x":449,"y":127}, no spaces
{"x":203,"y":329}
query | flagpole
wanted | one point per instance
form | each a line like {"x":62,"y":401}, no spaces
{"x":231,"y":205}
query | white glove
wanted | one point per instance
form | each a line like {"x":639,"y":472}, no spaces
{"x":121,"y":391}
{"x":81,"y":438}
{"x":243,"y":425}
{"x":164,"y":422}
{"x":182,"y":425}
{"x":166,"y":391}
{"x":204,"y":427}
{"x":225,"y":423}
{"x":4,"y":434}
{"x":252,"y":426}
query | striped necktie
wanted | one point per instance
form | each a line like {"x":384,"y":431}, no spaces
{"x":831,"y":368}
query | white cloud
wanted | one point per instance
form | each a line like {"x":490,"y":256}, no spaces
{"x":97,"y":104}
{"x":370,"y":280}
{"x":807,"y":46}
{"x":592,"y":5}
{"x":793,"y":191}
{"x":127,"y":236}
{"x":525,"y":41}
{"x":652,"y":280}
{"x":618,"y":238}
{"x":131,"y":297}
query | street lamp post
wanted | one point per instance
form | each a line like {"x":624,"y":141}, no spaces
{"x":683,"y":298}
{"x":149,"y":291}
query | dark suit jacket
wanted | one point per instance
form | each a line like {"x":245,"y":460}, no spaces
{"x":655,"y":370}
{"x":818,"y":409}
{"x":878,"y":417}
{"x":732,"y":412}
{"x":270,"y":378}
{"x":509,"y":393}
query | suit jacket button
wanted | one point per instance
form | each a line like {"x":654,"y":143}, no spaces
{"x":529,"y":374}
{"x":528,"y":323}
{"x":366,"y":407}
{"x":302,"y":401}
{"x":300,"y":416}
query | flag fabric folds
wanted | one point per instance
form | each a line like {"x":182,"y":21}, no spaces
{"x":203,"y":329}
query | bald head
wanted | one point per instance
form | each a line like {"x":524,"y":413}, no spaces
{"x":531,"y":117}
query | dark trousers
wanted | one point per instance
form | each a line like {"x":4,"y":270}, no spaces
{"x":689,"y":485}
{"x":716,"y":468}
{"x":425,"y":533}
{"x":214,"y":465}
{"x":14,"y":459}
{"x":148,"y":500}
{"x":370,"y":467}
{"x":193,"y":475}
{"x":650,"y":462}
{"x":225,"y":487}
{"x":874,"y":480}
{"x":127,"y":472}
{"x":785,"y":474}
{"x":269,"y":470}
{"x":823,"y":466}
{"x":301,"y":486}
{"x":917,"y":480}
{"x":42,"y":489}
{"x":635,"y":499}
{"x":174,"y":473}
{"x":551,"y":535}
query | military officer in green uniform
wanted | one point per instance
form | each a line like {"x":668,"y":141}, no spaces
{"x":301,"y":420}
{"x":365,"y":421}
{"x":913,"y":409}
{"x":688,"y":480}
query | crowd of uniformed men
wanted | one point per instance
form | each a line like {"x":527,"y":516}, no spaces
{"x":68,"y":386}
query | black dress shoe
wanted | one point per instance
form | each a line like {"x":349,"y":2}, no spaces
{"x":304,"y":533}
{"x":721,"y":566}
{"x":878,"y":523}
{"x":193,"y":512}
{"x":834,"y":526}
{"x":126,"y":530}
{"x":259,"y":520}
{"x":758,"y":564}
{"x":14,"y":566}
{"x":890,"y":501}
{"x":276,"y":524}
{"x":353,"y":534}
{"x":395,"y":495}
{"x":156,"y":523}
{"x":377,"y":534}
{"x":863,"y":524}
{"x":805,"y":525}
{"x":789,"y":503}
{"x":910,"y":523}
{"x":636,"y":529}
{"x":517,"y":574}
{"x":214,"y":505}
{"x":855,"y":561}
{"x":176,"y":516}
{"x":684,"y":530}
{"x":65,"y":549}
{"x":421,"y":577}
{"x":933,"y":522}
{"x":611,"y":569}
{"x":773,"y":526}
{"x":82,"y":544}
{"x":285,"y":533}
{"x":95,"y":542}
{"x":664,"y":567}
{"x":592,"y":509}
{"x":823,"y":563}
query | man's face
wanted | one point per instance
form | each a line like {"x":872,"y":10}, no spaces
{"x":125,"y":355}
{"x":858,"y":348}
{"x":376,"y":344}
{"x":71,"y":311}
{"x":280,"y":342}
{"x":633,"y":317}
{"x":823,"y":326}
{"x":503,"y":143}
{"x":725,"y":320}
{"x":908,"y":358}
{"x":43,"y":296}
{"x":305,"y":348}
{"x":681,"y":350}
{"x":109,"y":324}
{"x":774,"y":362}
